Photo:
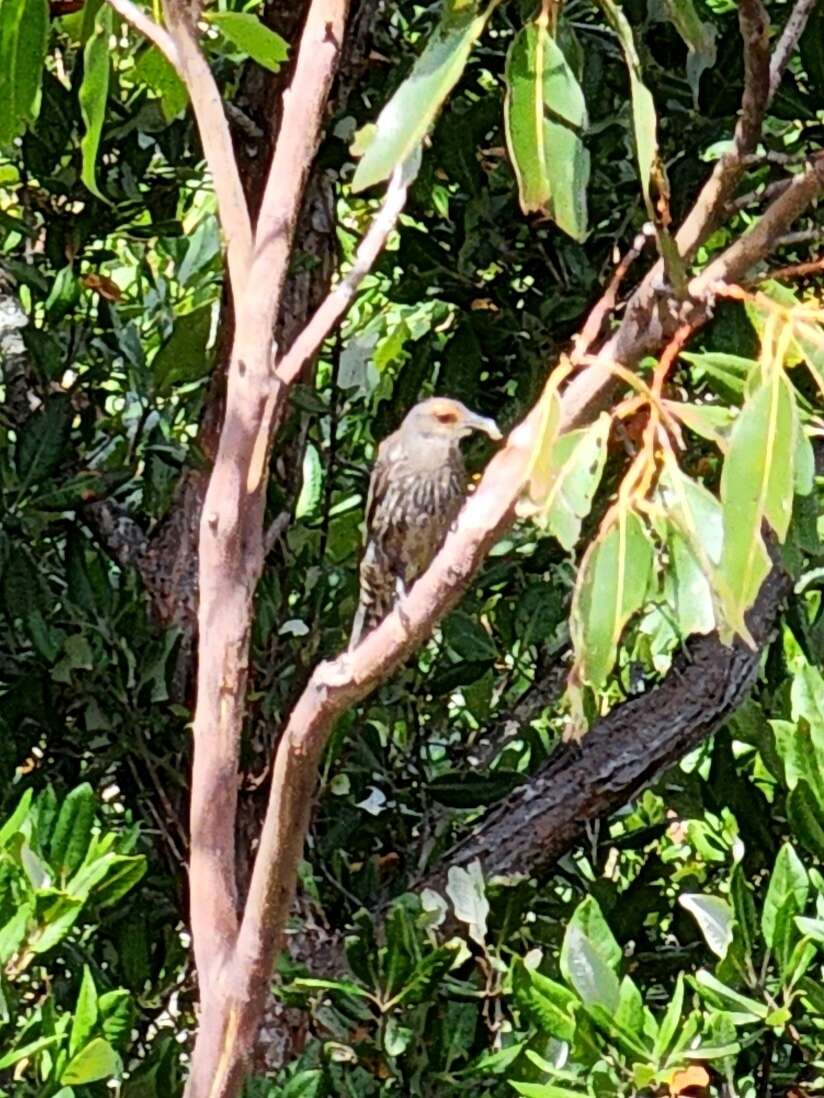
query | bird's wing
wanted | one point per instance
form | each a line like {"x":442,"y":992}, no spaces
{"x":379,"y":481}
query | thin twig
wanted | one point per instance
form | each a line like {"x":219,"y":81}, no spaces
{"x":606,"y":304}
{"x":793,"y":270}
{"x":785,"y":47}
{"x":801,"y":236}
{"x":156,"y":34}
{"x":333,"y":307}
{"x":216,"y":140}
{"x":772,"y":190}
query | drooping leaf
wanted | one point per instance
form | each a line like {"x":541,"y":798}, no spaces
{"x":251,"y":36}
{"x":70,"y":839}
{"x":24,"y":27}
{"x":545,"y":113}
{"x":466,"y":890}
{"x":612,"y":584}
{"x":756,"y":487}
{"x":93,"y":95}
{"x":699,"y":36}
{"x":645,"y":122}
{"x":405,"y":120}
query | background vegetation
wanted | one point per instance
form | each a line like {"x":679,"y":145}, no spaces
{"x":680,"y":948}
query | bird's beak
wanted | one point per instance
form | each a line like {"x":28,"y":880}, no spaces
{"x":482,"y":423}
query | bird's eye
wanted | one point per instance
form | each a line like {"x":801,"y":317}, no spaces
{"x":446,"y":417}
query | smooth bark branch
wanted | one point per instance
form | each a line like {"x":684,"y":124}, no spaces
{"x":207,"y":105}
{"x":156,"y":34}
{"x":334,"y":307}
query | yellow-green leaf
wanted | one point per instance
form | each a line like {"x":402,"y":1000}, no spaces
{"x":757,"y":486}
{"x":577,"y":462}
{"x":405,"y":120}
{"x":544,"y":114}
{"x":154,"y":70}
{"x":612,"y":585}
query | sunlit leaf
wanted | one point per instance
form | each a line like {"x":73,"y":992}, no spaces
{"x":251,"y":36}
{"x":612,"y":584}
{"x":24,"y":28}
{"x":97,"y":1060}
{"x":757,"y":486}
{"x":715,"y":920}
{"x":544,"y":114}
{"x":93,"y":94}
{"x":158,"y":74}
{"x":405,"y":120}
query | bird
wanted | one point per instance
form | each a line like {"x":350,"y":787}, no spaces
{"x":417,"y":487}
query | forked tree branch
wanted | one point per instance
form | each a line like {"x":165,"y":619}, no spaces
{"x":336,"y":686}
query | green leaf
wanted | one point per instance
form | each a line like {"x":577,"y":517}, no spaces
{"x":670,"y":1022}
{"x":14,"y":930}
{"x":589,"y":954}
{"x":311,"y":490}
{"x":59,"y":921}
{"x":546,"y":1090}
{"x":251,"y":37}
{"x":93,"y":95}
{"x":182,"y":357}
{"x":612,"y":585}
{"x":306,"y":1084}
{"x":728,"y":998}
{"x":788,"y":886}
{"x":16,"y":820}
{"x":42,"y":440}
{"x":699,"y":37}
{"x":757,"y":486}
{"x":465,"y":888}
{"x":405,"y":120}
{"x":464,"y":634}
{"x":116,"y":1011}
{"x":715,"y":920}
{"x":98,"y":1060}
{"x":544,"y":111}
{"x":26,"y":1051}
{"x":644,"y":119}
{"x":550,"y":1005}
{"x":84,"y":1018}
{"x":731,"y":370}
{"x":576,"y":463}
{"x":24,"y":29}
{"x":72,"y":832}
{"x":159,"y":75}
{"x":806,"y":817}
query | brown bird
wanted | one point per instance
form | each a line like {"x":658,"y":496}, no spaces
{"x":416,"y":491}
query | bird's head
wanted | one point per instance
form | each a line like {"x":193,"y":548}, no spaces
{"x":440,"y":417}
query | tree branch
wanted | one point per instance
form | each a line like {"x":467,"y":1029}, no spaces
{"x":156,"y":34}
{"x":486,"y":515}
{"x":785,"y":47}
{"x":334,"y":307}
{"x":215,"y":138}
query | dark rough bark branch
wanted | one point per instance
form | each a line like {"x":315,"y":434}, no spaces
{"x":621,"y":754}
